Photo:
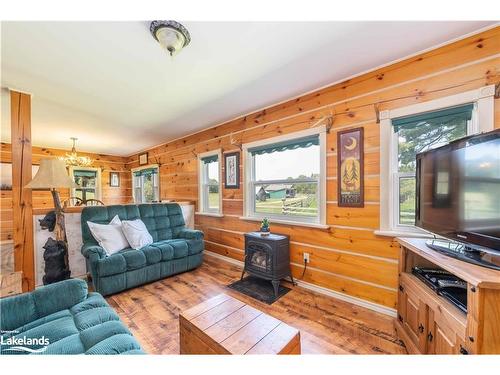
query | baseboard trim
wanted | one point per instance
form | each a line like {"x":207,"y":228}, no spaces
{"x":319,"y":289}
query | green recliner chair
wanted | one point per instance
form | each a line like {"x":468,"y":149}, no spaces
{"x":62,"y":318}
{"x":175,"y":248}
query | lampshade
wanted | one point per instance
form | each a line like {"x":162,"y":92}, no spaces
{"x":52,"y":174}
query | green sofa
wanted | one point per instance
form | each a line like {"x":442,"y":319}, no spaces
{"x":175,"y":249}
{"x":63,"y":318}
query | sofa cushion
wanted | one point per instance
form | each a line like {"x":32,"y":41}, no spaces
{"x":93,"y":317}
{"x":167,"y":251}
{"x":194,"y":246}
{"x":112,"y":265}
{"x":93,"y":335}
{"x":180,"y":248}
{"x":19,"y":311}
{"x":52,"y":331}
{"x":152,"y":254}
{"x":116,"y":344}
{"x":44,"y":320}
{"x":134,"y":259}
{"x":93,"y":300}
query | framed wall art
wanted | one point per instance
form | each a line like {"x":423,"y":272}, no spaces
{"x":350,"y":168}
{"x":232,"y":170}
{"x":114,"y":179}
{"x":143,"y":158}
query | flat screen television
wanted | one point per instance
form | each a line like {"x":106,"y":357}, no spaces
{"x":458,"y":191}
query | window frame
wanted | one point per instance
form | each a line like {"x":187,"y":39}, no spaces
{"x":249,"y":180}
{"x":98,"y":187}
{"x":157,"y":189}
{"x":482,"y":121}
{"x":203,"y":207}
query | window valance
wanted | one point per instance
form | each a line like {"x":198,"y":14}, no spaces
{"x":286,"y":145}
{"x":437,"y":118}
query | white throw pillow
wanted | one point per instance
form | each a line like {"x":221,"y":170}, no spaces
{"x":109,"y":236}
{"x":136,"y":233}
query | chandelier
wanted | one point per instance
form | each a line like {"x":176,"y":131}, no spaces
{"x":171,"y":35}
{"x":72,"y":159}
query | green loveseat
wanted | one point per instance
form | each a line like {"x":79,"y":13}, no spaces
{"x":175,"y":249}
{"x":62,"y":318}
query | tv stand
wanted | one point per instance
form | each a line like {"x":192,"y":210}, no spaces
{"x":428,"y":323}
{"x":467,"y":253}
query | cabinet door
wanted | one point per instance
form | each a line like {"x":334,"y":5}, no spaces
{"x":412,"y":313}
{"x":442,"y":339}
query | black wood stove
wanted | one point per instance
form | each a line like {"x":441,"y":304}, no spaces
{"x":267,"y":257}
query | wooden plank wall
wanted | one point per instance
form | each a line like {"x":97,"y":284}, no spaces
{"x":43,"y":199}
{"x":348,"y":257}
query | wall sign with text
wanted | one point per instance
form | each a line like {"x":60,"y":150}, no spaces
{"x":350,"y":168}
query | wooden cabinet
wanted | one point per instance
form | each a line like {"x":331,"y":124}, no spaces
{"x":412,"y":315}
{"x":429,"y":324}
{"x":441,"y":338}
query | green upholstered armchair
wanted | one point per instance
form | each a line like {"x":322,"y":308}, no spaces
{"x":63,"y":318}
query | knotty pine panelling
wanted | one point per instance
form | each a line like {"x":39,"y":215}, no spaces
{"x":348,"y":257}
{"x":43,"y":199}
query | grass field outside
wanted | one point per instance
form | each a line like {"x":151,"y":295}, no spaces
{"x":213,"y":200}
{"x":300,"y":205}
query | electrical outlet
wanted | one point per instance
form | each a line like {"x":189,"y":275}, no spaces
{"x":306,"y":257}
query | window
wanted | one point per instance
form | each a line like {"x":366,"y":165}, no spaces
{"x":89,"y":183}
{"x":284,"y":178}
{"x":409,"y":130}
{"x":417,"y":134}
{"x":146,"y":185}
{"x":210,"y":183}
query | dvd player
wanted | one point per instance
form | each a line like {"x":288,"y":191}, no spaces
{"x":444,"y":284}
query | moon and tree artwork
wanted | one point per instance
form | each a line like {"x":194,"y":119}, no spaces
{"x":350,"y":171}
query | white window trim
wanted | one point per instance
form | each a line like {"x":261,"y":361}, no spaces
{"x":98,"y":189}
{"x":142,"y":167}
{"x":249,"y":195}
{"x":202,"y":200}
{"x":482,"y":121}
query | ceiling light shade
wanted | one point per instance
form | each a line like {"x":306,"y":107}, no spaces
{"x":171,"y":35}
{"x":52,"y":174}
{"x":72,"y":159}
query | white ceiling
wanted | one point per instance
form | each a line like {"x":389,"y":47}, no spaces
{"x":111,"y":85}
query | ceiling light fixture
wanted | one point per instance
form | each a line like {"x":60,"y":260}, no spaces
{"x":72,"y":159}
{"x":171,"y":35}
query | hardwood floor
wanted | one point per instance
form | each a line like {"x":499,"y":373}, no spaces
{"x":327,"y":325}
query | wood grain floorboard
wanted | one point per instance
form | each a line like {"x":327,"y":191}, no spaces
{"x":327,"y":325}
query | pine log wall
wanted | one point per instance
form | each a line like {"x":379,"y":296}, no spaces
{"x":347,"y":258}
{"x":43,"y":199}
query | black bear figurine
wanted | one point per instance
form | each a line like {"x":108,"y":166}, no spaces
{"x":55,"y":269}
{"x":49,"y":221}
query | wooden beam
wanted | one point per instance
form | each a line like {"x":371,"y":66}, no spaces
{"x":24,"y":260}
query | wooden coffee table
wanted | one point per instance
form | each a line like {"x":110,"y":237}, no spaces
{"x":225,"y":325}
